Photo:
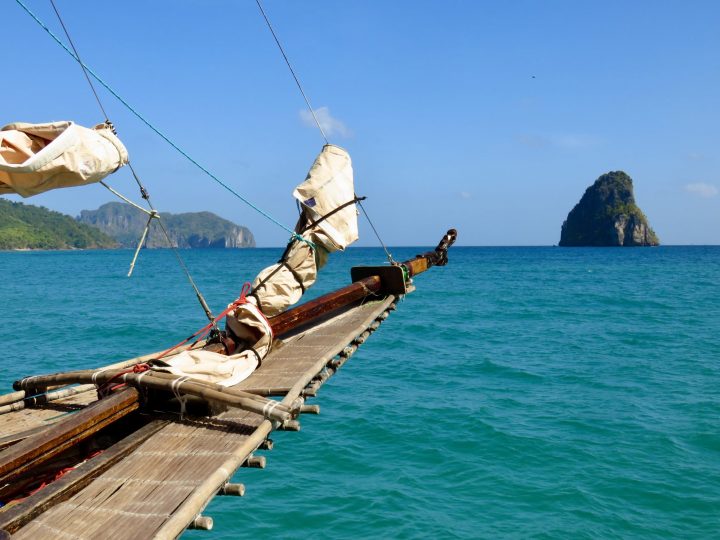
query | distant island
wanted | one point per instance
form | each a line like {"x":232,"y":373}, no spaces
{"x":125,"y":224}
{"x":607,"y":215}
{"x":113,"y":225}
{"x":23,"y":226}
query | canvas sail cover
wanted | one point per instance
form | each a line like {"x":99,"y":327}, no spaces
{"x":254,"y":332}
{"x":328,"y":221}
{"x":327,"y":188}
{"x":281,"y":285}
{"x":35,"y":158}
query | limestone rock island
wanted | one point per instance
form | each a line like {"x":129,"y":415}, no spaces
{"x":190,"y":230}
{"x":608,"y":216}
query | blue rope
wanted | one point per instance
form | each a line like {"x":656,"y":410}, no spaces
{"x":293,"y":234}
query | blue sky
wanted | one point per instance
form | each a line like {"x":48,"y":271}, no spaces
{"x":492,"y":117}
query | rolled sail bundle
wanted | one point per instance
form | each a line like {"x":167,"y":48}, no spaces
{"x":328,"y":223}
{"x":254,"y":332}
{"x":35,"y":158}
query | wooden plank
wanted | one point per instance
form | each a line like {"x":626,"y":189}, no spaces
{"x":40,"y":447}
{"x":15,"y":516}
{"x":29,"y":418}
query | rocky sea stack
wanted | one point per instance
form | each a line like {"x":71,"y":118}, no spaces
{"x":608,"y":216}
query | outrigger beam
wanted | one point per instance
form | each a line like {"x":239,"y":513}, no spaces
{"x":367,"y":286}
{"x":39,"y":447}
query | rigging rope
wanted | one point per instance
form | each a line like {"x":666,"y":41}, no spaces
{"x":89,"y":72}
{"x":387,"y":253}
{"x":145,"y":195}
{"x":152,"y":127}
{"x":292,"y":71}
{"x":312,"y":111}
{"x":92,"y":87}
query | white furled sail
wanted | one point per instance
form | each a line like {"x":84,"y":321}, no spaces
{"x":35,"y":158}
{"x":328,"y":223}
{"x":249,"y":325}
{"x":329,"y":186}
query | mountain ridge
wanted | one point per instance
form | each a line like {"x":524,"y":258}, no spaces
{"x":125,"y":224}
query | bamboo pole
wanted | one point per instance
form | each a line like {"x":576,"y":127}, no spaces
{"x":173,"y":383}
{"x":41,"y":399}
{"x":13,"y":397}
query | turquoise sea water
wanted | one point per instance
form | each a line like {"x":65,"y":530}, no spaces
{"x":519,"y":392}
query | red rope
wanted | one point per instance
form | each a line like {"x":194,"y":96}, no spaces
{"x":242,"y":299}
{"x":106,"y":387}
{"x":58,"y":475}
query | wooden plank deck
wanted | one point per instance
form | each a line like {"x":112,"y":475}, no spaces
{"x":165,"y":483}
{"x":34,"y":418}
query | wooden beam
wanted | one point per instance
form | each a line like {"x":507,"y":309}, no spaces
{"x":310,"y":311}
{"x":15,"y":516}
{"x":36,"y":449}
{"x":314,"y":309}
{"x":65,"y":433}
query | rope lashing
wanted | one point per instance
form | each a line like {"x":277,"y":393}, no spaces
{"x":282,"y":263}
{"x":312,"y":223}
{"x":109,"y":386}
{"x":240,"y":300}
{"x":152,"y":126}
{"x":182,"y":399}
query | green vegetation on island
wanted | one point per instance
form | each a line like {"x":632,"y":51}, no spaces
{"x":113,"y":225}
{"x":607,"y":215}
{"x":23,"y":226}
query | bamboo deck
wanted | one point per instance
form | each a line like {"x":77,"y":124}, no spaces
{"x":162,"y":486}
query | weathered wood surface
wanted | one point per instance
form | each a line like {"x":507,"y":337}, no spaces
{"x":22,"y":512}
{"x":160,"y":487}
{"x":26,"y":419}
{"x":48,"y":443}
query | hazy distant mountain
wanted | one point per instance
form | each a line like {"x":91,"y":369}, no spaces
{"x":126,"y":223}
{"x":24,"y":226}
